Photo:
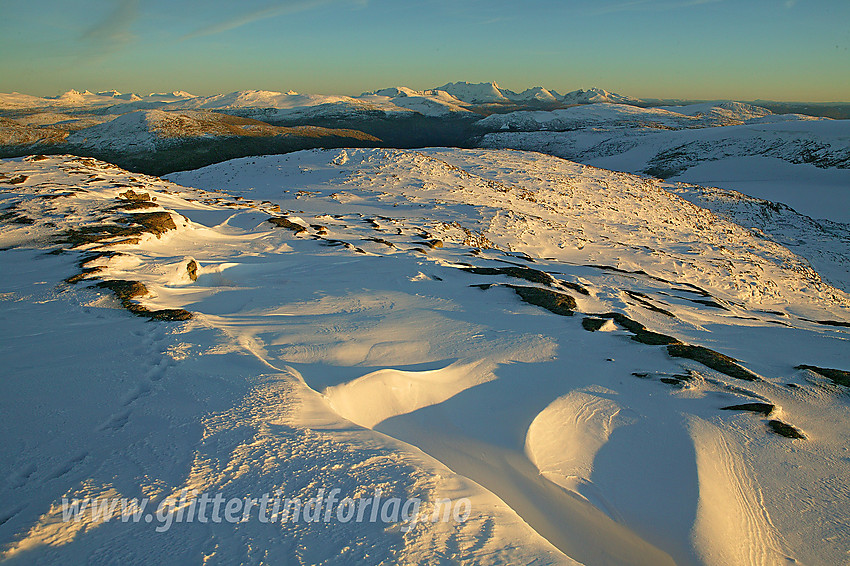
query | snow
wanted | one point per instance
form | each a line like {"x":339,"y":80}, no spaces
{"x":360,"y":354}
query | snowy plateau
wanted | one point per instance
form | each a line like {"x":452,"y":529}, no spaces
{"x":597,"y":325}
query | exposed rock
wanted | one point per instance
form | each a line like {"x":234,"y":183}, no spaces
{"x":192,"y":269}
{"x":85,"y":273}
{"x":645,"y":301}
{"x":157,"y":223}
{"x":784,"y":429}
{"x":96,"y":233}
{"x":641,"y":333}
{"x":533,"y":275}
{"x":760,"y":408}
{"x":553,"y":301}
{"x":130,"y":194}
{"x":710,"y":358}
{"x":838,"y":376}
{"x":125,"y":291}
{"x":282,"y":222}
{"x":592,"y":324}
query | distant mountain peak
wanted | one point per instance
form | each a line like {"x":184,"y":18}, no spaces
{"x":173,"y":94}
{"x":395,"y":92}
{"x":594,"y":95}
{"x":475,"y":93}
{"x":533,"y":94}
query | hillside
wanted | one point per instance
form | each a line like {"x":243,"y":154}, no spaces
{"x":151,"y":130}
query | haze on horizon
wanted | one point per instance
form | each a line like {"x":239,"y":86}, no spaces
{"x":786,"y":50}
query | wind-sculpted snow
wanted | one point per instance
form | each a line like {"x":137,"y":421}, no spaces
{"x":384,"y":319}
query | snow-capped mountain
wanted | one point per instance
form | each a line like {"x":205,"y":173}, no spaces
{"x":395,"y":92}
{"x":534,"y":94}
{"x":479,"y":93}
{"x":492,"y":93}
{"x":176,"y":95}
{"x":113,"y":97}
{"x":595,"y":95}
{"x":259,"y":99}
{"x":115,"y":94}
{"x":434,"y":103}
{"x":608,"y":369}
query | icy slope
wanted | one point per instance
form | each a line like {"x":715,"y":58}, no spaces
{"x":496,"y":325}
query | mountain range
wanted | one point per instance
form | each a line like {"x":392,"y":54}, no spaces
{"x":451,"y":97}
{"x":163,"y":132}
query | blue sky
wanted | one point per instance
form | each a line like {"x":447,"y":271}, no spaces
{"x":741,"y":49}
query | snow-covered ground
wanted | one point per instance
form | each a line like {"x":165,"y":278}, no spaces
{"x":504,"y":327}
{"x":804,"y":163}
{"x":605,"y":114}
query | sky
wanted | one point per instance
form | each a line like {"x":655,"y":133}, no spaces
{"x":793,"y":50}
